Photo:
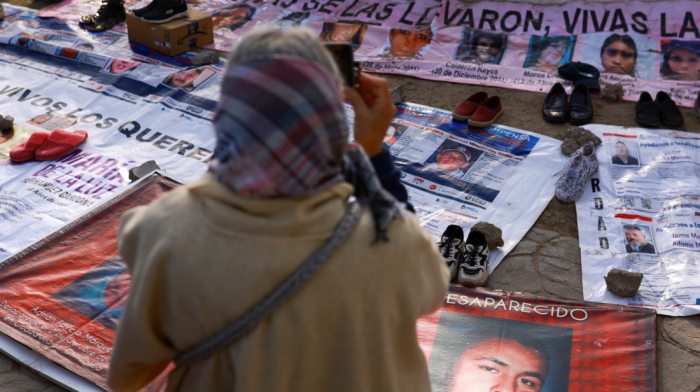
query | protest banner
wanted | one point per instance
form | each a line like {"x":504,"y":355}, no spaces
{"x":641,"y":213}
{"x":63,"y":296}
{"x":458,"y":174}
{"x":641,"y":45}
{"x":496,"y":340}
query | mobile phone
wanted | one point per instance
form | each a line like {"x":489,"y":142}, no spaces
{"x":343,"y":55}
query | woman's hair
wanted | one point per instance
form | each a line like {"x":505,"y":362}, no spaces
{"x":626,"y":39}
{"x":539,"y":44}
{"x":291,"y":41}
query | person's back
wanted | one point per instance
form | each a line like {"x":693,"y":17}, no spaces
{"x":204,"y":254}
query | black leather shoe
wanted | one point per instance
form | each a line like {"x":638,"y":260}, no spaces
{"x":580,"y":106}
{"x":554,"y":106}
{"x":668,"y":111}
{"x":647,"y":111}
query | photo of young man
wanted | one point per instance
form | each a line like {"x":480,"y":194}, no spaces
{"x":183,"y":79}
{"x":638,"y":239}
{"x":622,"y":154}
{"x":485,"y":354}
{"x":407,"y":43}
{"x":233,"y":17}
{"x":453,"y":158}
{"x":394,"y":133}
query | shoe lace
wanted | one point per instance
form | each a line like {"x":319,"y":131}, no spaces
{"x":470,"y":257}
{"x":447,"y":246}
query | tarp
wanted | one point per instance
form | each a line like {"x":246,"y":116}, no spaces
{"x":483,"y":340}
{"x":63,"y":296}
{"x":458,"y":174}
{"x":642,"y":45}
{"x":641,"y":212}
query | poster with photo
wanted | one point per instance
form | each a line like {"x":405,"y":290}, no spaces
{"x":478,"y":46}
{"x":483,"y":340}
{"x":623,"y":54}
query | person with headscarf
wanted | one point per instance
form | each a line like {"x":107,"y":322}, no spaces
{"x":681,"y":60}
{"x":281,"y":182}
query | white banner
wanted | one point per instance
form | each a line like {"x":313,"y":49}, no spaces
{"x":641,"y":213}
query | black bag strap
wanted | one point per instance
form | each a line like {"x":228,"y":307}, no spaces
{"x":279,"y":295}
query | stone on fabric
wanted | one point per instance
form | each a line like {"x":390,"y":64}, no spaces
{"x":577,"y":137}
{"x":142,"y":171}
{"x":612,"y":92}
{"x":206,"y":57}
{"x":493,"y":234}
{"x":624,"y":283}
{"x":7,"y":123}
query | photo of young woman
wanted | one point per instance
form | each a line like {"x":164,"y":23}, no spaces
{"x":344,"y":32}
{"x":480,"y":47}
{"x":680,"y":60}
{"x":546,"y":54}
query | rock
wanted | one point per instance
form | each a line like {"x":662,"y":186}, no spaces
{"x":612,"y":92}
{"x":541,"y":236}
{"x":206,"y":57}
{"x":7,"y":123}
{"x":623,"y":283}
{"x":397,"y":95}
{"x":515,"y":274}
{"x":696,"y":107}
{"x":577,"y":137}
{"x":566,"y":248}
{"x":493,"y":234}
{"x":143,"y":170}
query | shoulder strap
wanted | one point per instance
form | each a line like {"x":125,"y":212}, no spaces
{"x":279,"y":295}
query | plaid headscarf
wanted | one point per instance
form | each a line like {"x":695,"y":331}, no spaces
{"x":282,"y":133}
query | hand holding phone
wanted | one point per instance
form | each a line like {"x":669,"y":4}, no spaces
{"x":344,"y":58}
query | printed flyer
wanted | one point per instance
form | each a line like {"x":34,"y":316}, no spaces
{"x":483,"y":340}
{"x":641,"y":213}
{"x":63,"y":296}
{"x":645,"y":46}
{"x":458,"y":174}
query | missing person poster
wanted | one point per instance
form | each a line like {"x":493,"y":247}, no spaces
{"x":456,"y":174}
{"x":63,"y":296}
{"x":641,"y":213}
{"x":483,"y":340}
{"x":643,"y":45}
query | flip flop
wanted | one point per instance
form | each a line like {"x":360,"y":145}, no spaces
{"x":60,"y":143}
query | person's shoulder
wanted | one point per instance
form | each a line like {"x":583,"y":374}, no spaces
{"x":633,"y":161}
{"x":162,"y":212}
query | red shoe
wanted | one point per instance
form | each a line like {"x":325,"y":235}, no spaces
{"x":60,"y":143}
{"x":468,"y":107}
{"x":487,"y":113}
{"x":25,"y":151}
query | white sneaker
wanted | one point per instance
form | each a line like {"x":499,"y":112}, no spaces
{"x":451,"y":247}
{"x":474,"y":266}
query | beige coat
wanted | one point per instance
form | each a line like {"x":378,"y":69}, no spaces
{"x":201,"y":256}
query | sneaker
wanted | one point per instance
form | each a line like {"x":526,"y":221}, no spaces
{"x":110,"y":13}
{"x":451,"y":247}
{"x":474,"y":267}
{"x":140,"y":12}
{"x":576,"y":172}
{"x":165,"y":11}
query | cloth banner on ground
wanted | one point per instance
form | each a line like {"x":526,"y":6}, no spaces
{"x":641,"y":213}
{"x":458,"y":174}
{"x":484,"y":340}
{"x":26,"y":28}
{"x":64,"y":295}
{"x":641,"y":45}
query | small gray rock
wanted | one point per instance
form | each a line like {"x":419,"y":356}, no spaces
{"x":612,"y":92}
{"x":577,"y":137}
{"x":206,"y":57}
{"x":7,"y":123}
{"x":397,"y":95}
{"x":143,"y":170}
{"x":623,"y":283}
{"x":493,"y":234}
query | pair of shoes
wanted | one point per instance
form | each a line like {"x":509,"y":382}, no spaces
{"x":468,"y":262}
{"x":45,"y":146}
{"x":576,"y":172}
{"x":110,"y":14}
{"x":579,"y":110}
{"x":479,"y":110}
{"x":662,"y":110}
{"x":161,"y":11}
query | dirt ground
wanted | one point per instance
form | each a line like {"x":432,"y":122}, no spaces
{"x":523,"y":110}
